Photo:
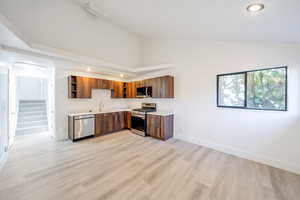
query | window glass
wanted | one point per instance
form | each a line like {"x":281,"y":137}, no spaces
{"x":266,"y":89}
{"x":232,"y":90}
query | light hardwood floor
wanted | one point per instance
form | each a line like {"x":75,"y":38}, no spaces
{"x":124,"y":166}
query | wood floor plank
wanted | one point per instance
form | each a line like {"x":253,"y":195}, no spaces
{"x":124,"y":166}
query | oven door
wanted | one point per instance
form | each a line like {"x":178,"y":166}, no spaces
{"x":138,"y":124}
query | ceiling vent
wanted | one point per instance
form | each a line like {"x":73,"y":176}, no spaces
{"x":91,"y":8}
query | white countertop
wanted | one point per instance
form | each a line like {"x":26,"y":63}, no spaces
{"x":161,"y":113}
{"x":98,"y":112}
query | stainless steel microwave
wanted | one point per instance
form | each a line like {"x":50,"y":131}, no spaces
{"x":144,"y":92}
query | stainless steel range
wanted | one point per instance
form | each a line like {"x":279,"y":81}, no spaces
{"x":139,"y":118}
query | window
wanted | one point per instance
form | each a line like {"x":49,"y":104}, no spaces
{"x":264,"y":89}
{"x":232,"y":90}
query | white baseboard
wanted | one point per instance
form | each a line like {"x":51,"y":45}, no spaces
{"x":292,"y":167}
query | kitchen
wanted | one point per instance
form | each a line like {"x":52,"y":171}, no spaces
{"x":151,"y":100}
{"x":144,"y":121}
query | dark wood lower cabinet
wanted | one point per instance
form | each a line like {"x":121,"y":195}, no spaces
{"x":100,"y":125}
{"x":161,"y":127}
{"x":109,"y":122}
{"x":128,"y":120}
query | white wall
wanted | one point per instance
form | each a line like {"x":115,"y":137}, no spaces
{"x":65,"y":25}
{"x":31,"y":88}
{"x":64,"y":105}
{"x":265,"y":136}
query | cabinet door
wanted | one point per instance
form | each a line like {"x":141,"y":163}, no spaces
{"x":109,"y":84}
{"x":93,"y":83}
{"x":117,"y":89}
{"x":167,"y":85}
{"x":109,"y":120}
{"x":115,"y":122}
{"x":134,"y":90}
{"x":153,"y":126}
{"x":127,"y":120}
{"x":99,"y":125}
{"x":156,"y":87}
{"x":104,"y":84}
{"x":167,"y":127}
{"x":83,"y":87}
{"x":162,"y":87}
{"x":129,"y":90}
{"x":122,"y":120}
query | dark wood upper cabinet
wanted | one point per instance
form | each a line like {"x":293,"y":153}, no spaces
{"x":93,"y":83}
{"x":156,"y":87}
{"x":160,"y":127}
{"x":162,"y":87}
{"x":118,"y":90}
{"x":131,"y":90}
{"x":81,"y":87}
{"x":104,"y":84}
{"x":167,"y":85}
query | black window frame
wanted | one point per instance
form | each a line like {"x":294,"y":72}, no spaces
{"x":245,"y":85}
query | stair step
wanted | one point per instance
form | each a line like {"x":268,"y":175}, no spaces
{"x":37,"y":129}
{"x":31,"y":113}
{"x":31,"y":109}
{"x":32,"y":117}
{"x":33,"y":106}
{"x":25,"y":109}
{"x":31,"y":101}
{"x":22,"y":124}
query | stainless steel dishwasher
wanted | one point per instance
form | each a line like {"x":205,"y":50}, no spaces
{"x":81,"y":126}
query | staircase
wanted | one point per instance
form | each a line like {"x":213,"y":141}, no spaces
{"x":32,"y":117}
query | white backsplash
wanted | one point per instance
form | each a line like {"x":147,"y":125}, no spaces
{"x":98,"y":97}
{"x":162,"y":104}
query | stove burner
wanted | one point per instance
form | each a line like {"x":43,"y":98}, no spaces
{"x":144,"y":110}
{"x":146,"y":107}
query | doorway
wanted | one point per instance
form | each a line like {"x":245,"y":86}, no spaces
{"x":4,"y":77}
{"x":31,"y":101}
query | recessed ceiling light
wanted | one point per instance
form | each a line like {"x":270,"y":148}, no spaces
{"x":121,"y":75}
{"x":88,"y":69}
{"x":255,"y":7}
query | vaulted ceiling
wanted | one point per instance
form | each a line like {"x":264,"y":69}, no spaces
{"x":115,"y":35}
{"x":207,"y":19}
{"x":171,"y":19}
